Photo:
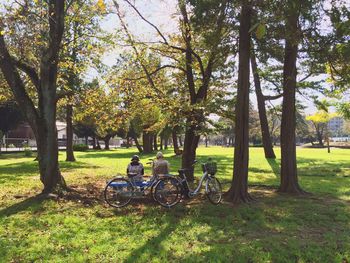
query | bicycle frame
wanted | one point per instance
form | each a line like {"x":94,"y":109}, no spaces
{"x":196,"y":191}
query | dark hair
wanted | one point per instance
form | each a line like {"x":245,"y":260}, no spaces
{"x":135,"y":158}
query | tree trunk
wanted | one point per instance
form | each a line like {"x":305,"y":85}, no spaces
{"x":175,"y":143}
{"x":289,"y":178}
{"x":180,"y":141}
{"x":42,"y":119}
{"x":206,"y":141}
{"x":319,"y":133}
{"x":239,"y":185}
{"x":107,"y":140}
{"x":189,"y":151}
{"x":69,"y":145}
{"x":166,"y":139}
{"x":94,"y":143}
{"x":127,"y":142}
{"x":134,"y":137}
{"x":98,"y":147}
{"x":147,"y":142}
{"x":265,"y":133}
{"x":155,"y":145}
{"x":327,"y":140}
{"x":161,"y":142}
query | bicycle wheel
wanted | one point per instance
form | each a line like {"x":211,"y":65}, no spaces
{"x":213,"y":190}
{"x":118,"y":192}
{"x":167,"y":191}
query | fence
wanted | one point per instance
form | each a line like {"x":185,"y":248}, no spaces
{"x":18,"y":144}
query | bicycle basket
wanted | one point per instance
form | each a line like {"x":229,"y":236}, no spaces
{"x":210,"y":167}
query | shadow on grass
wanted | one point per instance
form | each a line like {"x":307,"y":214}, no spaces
{"x":154,"y":244}
{"x":31,"y":202}
{"x":17,"y":171}
{"x":275,"y":166}
{"x":322,"y":168}
{"x":279,"y":228}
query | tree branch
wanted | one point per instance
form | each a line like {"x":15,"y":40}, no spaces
{"x":155,"y":71}
{"x":272,"y":97}
{"x":16,"y":84}
{"x":30,"y":71}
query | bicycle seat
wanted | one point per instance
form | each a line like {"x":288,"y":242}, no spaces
{"x":132,"y":174}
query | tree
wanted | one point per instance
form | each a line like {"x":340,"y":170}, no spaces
{"x":266,"y":137}
{"x":320,"y":120}
{"x":99,"y":107}
{"x":40,"y":116}
{"x":238,"y":191}
{"x":81,"y":48}
{"x":195,"y":55}
{"x":289,"y":178}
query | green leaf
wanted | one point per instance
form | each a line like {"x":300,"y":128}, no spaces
{"x":260,"y":31}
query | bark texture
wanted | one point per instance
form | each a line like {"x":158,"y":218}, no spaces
{"x":239,"y":185}
{"x":289,"y":178}
{"x":265,"y":132}
{"x":147,"y":142}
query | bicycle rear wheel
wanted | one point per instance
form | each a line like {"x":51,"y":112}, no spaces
{"x":213,"y":190}
{"x":167,"y":192}
{"x":118,"y":192}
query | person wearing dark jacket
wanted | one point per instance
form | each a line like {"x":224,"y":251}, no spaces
{"x":135,"y":167}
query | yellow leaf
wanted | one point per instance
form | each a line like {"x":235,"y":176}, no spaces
{"x":101,"y":5}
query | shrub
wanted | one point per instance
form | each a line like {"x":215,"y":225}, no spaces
{"x":28,"y":152}
{"x":80,"y":147}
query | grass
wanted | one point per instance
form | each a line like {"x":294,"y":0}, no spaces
{"x":276,"y":228}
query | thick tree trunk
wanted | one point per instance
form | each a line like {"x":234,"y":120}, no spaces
{"x":239,"y":186}
{"x":42,"y":119}
{"x":147,"y":142}
{"x":175,"y":143}
{"x":265,"y":132}
{"x":107,"y":140}
{"x":289,"y":178}
{"x":69,"y":145}
{"x":155,"y":145}
{"x":189,"y":151}
{"x":50,"y":174}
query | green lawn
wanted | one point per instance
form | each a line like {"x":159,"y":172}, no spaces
{"x":275,"y":228}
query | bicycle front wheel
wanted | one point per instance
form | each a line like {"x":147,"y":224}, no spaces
{"x":213,"y":190}
{"x":167,"y":192}
{"x":118,"y":192}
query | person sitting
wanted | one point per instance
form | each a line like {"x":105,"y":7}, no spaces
{"x":135,"y":169}
{"x":160,"y":166}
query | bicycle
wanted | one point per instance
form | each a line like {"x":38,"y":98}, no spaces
{"x":213,"y":189}
{"x":119,"y":191}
